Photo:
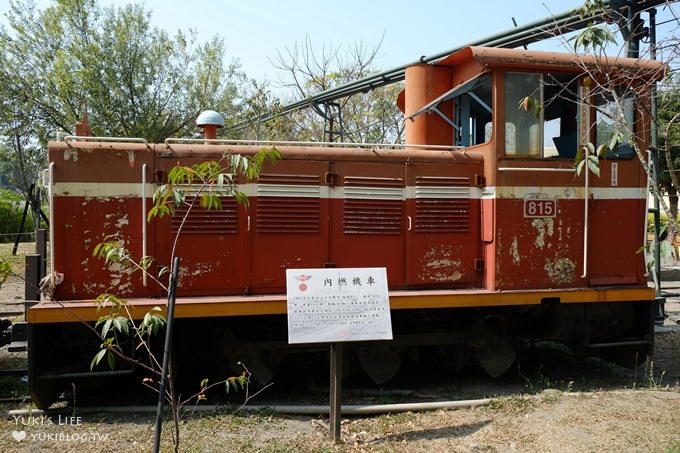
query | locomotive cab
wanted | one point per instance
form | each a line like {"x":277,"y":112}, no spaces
{"x":531,"y":114}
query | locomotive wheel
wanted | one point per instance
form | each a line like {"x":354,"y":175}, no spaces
{"x":44,"y":394}
{"x":380,"y":363}
{"x":494,"y":354}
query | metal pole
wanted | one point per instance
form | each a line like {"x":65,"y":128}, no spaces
{"x":32,"y":276}
{"x":166,"y":353}
{"x":660,"y":302}
{"x":336,"y":391}
{"x":657,"y":223}
{"x":21,"y":229}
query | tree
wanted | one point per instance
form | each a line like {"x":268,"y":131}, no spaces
{"x":619,"y":89}
{"x":21,"y":157}
{"x":261,"y":102}
{"x":133,"y":80}
{"x":625,"y":92}
{"x":669,"y":119}
{"x":371,"y":117}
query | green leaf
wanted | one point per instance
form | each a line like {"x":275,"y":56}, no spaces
{"x":152,"y":321}
{"x":273,"y":155}
{"x":591,"y":161}
{"x":593,"y":38}
{"x":180,"y":175}
{"x":146,"y":262}
{"x":579,"y":167}
{"x":236,"y":383}
{"x":97,"y":249}
{"x":177,"y":197}
{"x":97,"y":358}
{"x":122,"y":324}
{"x":111,"y":358}
{"x":159,"y":193}
{"x":159,"y":211}
{"x":210,"y":201}
{"x":602,"y":150}
{"x":616,"y":140}
{"x":241,"y":198}
{"x":594,"y":164}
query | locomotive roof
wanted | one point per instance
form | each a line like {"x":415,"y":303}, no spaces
{"x":490,"y":57}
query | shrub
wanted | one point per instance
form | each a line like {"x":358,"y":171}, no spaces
{"x":11,"y":210}
{"x":663,"y":222}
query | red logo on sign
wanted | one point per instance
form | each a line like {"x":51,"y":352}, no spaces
{"x":302,"y":279}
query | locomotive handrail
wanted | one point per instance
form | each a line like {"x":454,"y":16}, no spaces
{"x":51,"y":208}
{"x":563,"y":170}
{"x":586,"y":213}
{"x":144,"y":232}
{"x":169,"y":141}
{"x":69,"y":138}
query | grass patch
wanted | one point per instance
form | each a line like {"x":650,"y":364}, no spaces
{"x":513,"y":404}
{"x":17,"y":262}
{"x":673,"y":447}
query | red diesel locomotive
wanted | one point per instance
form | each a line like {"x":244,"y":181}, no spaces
{"x":489,"y":237}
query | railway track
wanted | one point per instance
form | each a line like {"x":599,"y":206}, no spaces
{"x":14,"y":372}
{"x":10,"y":314}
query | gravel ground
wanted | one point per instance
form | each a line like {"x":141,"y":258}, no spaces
{"x":565,"y":405}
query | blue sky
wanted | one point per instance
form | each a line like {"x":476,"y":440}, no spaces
{"x":253,"y":31}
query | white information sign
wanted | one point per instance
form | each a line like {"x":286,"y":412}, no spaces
{"x":336,"y":304}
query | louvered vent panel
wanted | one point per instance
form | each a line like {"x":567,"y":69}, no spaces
{"x":373,"y":205}
{"x":207,"y":221}
{"x":442,"y":205}
{"x":286,"y":215}
{"x":288,"y":204}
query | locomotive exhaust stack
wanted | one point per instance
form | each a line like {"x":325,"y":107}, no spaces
{"x":210,"y":121}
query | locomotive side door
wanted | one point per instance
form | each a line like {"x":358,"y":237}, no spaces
{"x":443,"y":246}
{"x":288,"y":220}
{"x":617,"y":203}
{"x":210,"y":243}
{"x":367,"y":217}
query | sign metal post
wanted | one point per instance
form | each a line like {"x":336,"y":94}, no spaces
{"x":337,"y":305}
{"x":336,"y":391}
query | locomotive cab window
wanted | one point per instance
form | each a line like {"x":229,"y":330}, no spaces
{"x":615,"y":115}
{"x":541,"y":115}
{"x":473,"y":112}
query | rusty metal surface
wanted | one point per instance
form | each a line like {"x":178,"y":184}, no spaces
{"x":553,"y":61}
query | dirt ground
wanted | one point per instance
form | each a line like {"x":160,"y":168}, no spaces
{"x":563,"y":404}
